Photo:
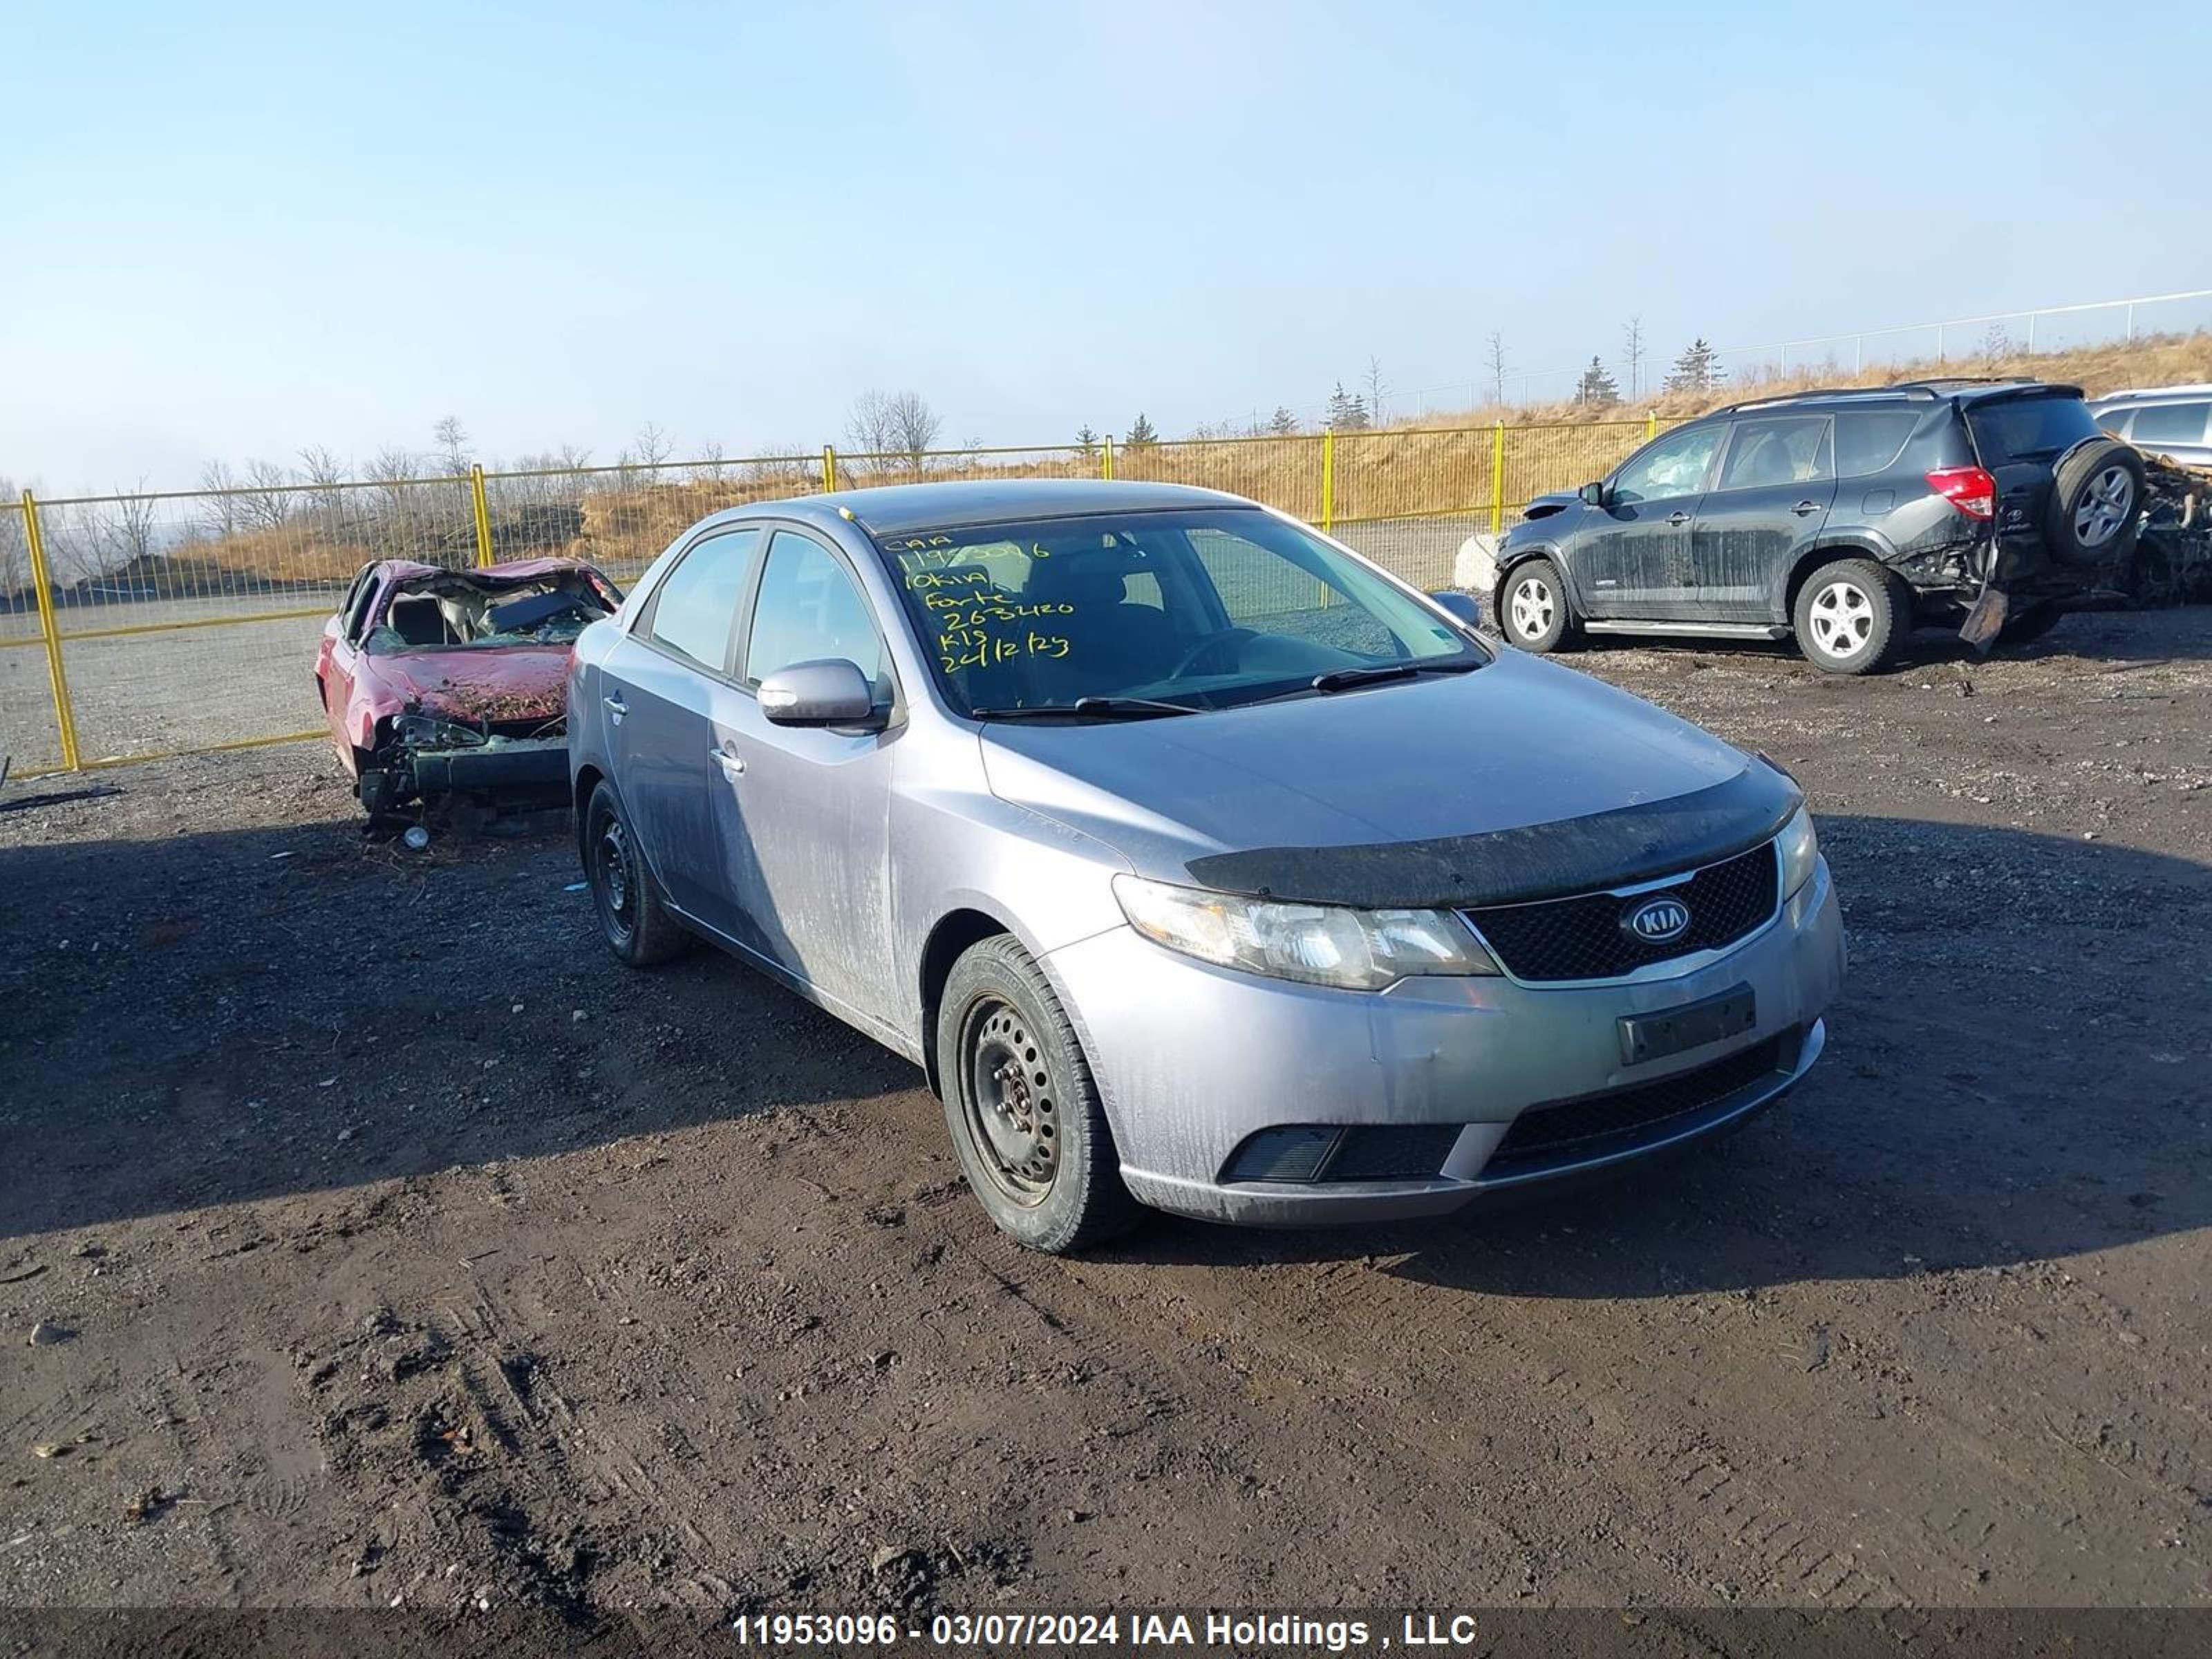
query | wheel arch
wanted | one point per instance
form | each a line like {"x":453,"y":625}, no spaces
{"x":955,"y":931}
{"x":1508,"y":563}
{"x":582,"y":787}
{"x":1827,"y":550}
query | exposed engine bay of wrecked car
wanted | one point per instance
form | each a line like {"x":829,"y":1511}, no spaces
{"x":474,"y":667}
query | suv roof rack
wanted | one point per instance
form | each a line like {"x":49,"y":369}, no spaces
{"x":1925,"y":391}
{"x":2196,"y":389}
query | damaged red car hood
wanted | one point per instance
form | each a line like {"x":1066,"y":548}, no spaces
{"x":513,"y":683}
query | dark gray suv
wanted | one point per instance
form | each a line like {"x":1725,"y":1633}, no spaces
{"x":1844,"y":519}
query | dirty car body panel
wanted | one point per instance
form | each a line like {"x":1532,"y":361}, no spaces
{"x":438,"y":682}
{"x":854,"y":867}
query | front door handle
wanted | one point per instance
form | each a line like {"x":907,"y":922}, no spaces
{"x":1804,"y":508}
{"x":1678,"y":520}
{"x":616,"y":708}
{"x":733,"y":766}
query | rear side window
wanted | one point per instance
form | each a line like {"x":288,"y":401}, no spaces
{"x":1777,"y":449}
{"x":695,"y":606}
{"x":2170,"y":424}
{"x":1870,"y":440}
{"x":2029,"y":428}
{"x":2115,"y":421}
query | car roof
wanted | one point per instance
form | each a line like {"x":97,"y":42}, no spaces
{"x":897,"y":509}
{"x":2146,"y":393}
{"x":1963,"y":388}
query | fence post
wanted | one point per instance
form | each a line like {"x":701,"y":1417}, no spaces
{"x":1497,"y":478}
{"x":43,"y":585}
{"x":829,"y":469}
{"x":1328,"y":478}
{"x":1650,"y":424}
{"x":1106,"y":458}
{"x":484,"y":515}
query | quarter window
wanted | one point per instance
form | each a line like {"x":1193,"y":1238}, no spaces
{"x":695,"y":606}
{"x":2170,"y":424}
{"x":810,"y":611}
{"x":1675,"y":465}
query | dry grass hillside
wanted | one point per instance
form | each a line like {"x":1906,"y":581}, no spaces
{"x":1444,"y":466}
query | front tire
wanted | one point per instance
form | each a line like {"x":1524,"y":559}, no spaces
{"x":633,"y":919}
{"x":1024,"y":1115}
{"x":1532,"y":610}
{"x":1850,"y":616}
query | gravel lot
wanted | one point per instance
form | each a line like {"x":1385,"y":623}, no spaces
{"x":367,"y":1237}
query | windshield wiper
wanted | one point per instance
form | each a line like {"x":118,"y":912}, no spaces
{"x":1127,"y":708}
{"x":1338,"y":679}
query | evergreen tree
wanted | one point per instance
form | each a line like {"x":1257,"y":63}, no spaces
{"x":1282,"y":423}
{"x":1141,"y":432}
{"x":1698,"y":369}
{"x":1346,"y":412}
{"x":1597,"y":386}
{"x":1087,"y":441}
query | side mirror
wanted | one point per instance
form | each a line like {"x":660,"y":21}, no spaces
{"x":1462,"y":607}
{"x":1593,"y":494}
{"x":827,"y":693}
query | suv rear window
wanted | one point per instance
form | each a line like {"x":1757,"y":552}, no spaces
{"x":2029,"y":428}
{"x":1868,"y":439}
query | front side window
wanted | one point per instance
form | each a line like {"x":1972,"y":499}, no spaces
{"x":2170,"y":424}
{"x":809,"y":610}
{"x":695,"y":607}
{"x":1201,"y":609}
{"x":1779,"y":449}
{"x":1675,"y":465}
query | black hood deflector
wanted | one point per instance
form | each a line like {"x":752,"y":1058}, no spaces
{"x":1618,"y":849}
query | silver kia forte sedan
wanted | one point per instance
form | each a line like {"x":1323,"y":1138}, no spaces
{"x":1202,"y":865}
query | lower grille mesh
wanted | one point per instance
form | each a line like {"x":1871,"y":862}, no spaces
{"x":1575,"y":1129}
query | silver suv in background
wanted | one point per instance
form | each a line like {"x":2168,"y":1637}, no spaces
{"x":2167,"y":420}
{"x":1201,"y":863}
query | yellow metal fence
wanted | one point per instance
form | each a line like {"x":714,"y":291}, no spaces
{"x":133,"y":627}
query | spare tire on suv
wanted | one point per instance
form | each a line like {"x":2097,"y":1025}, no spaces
{"x":2096,"y":503}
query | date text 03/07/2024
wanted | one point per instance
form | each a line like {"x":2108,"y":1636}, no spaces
{"x":1333,"y":1634}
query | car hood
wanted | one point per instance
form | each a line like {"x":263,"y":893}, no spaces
{"x":494,"y":683}
{"x":1521,"y":779}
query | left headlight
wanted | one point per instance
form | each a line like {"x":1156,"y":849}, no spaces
{"x":1316,"y":944}
{"x":1800,"y":850}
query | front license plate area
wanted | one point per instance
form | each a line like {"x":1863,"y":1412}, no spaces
{"x":1654,"y":1036}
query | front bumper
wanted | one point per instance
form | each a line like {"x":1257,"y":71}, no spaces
{"x":1191,"y":1060}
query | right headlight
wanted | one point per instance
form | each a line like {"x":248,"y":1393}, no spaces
{"x":1800,"y":850}
{"x":1316,"y":944}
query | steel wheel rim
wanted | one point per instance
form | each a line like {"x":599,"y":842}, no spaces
{"x":1533,"y":608}
{"x":1010,"y":1102}
{"x":1842,"y":618}
{"x":610,"y":863}
{"x":2104,"y":508}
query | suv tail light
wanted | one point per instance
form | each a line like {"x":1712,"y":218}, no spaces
{"x":1969,"y":488}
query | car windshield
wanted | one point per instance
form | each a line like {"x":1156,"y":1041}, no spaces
{"x":2038,"y":428}
{"x":454,"y":610}
{"x":1155,"y":612}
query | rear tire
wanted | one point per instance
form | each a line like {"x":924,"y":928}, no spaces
{"x":1532,"y":607}
{"x":2032,"y":623}
{"x":1031,"y":1136}
{"x":633,"y":919}
{"x":2096,"y":504}
{"x":1850,"y":616}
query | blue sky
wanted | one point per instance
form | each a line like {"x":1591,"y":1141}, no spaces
{"x":235,"y":230}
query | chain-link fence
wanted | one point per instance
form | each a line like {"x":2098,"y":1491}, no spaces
{"x":138,"y":626}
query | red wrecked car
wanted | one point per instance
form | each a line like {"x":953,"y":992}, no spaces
{"x":444,"y":682}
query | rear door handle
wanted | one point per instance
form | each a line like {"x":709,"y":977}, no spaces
{"x":616,"y":708}
{"x":1804,"y":508}
{"x":733,"y":766}
{"x":1678,"y":520}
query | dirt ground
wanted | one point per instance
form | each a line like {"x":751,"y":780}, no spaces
{"x":367,"y":1237}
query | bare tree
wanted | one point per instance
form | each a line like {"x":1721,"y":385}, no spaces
{"x":713,"y":463}
{"x":892,"y":423}
{"x":264,"y":502}
{"x":1497,"y":361}
{"x":318,"y":467}
{"x":14,"y":540}
{"x":652,"y":445}
{"x":1631,"y":334}
{"x":1377,"y":389}
{"x":220,"y":513}
{"x":122,"y":530}
{"x":449,"y":440}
